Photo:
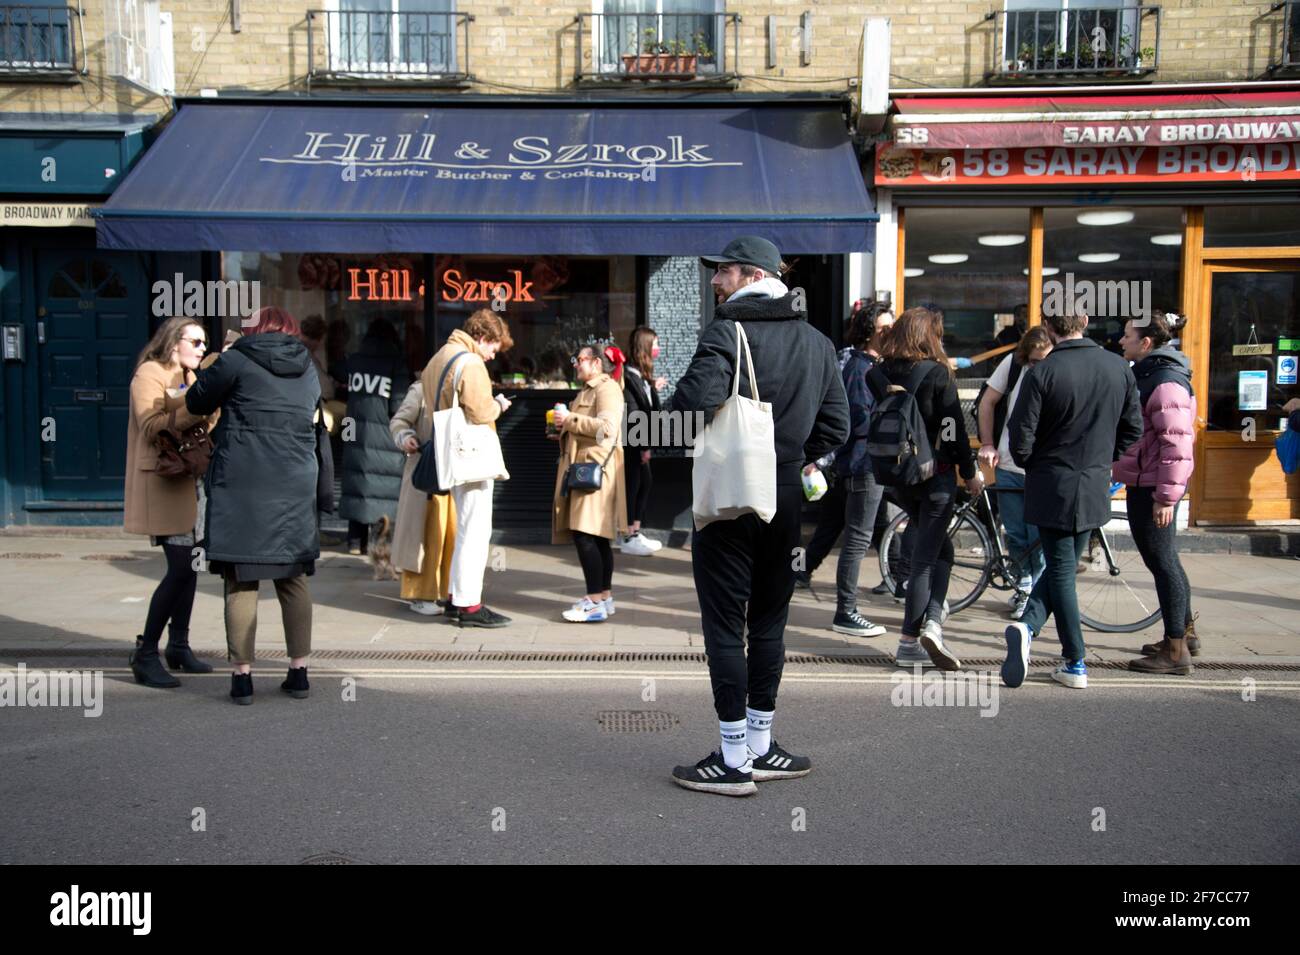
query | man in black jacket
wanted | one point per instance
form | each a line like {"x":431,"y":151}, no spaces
{"x":744,"y":571}
{"x":1078,"y":411}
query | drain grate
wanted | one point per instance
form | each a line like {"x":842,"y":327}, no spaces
{"x":29,"y":555}
{"x":330,"y":858}
{"x":636,"y":721}
{"x":793,"y":658}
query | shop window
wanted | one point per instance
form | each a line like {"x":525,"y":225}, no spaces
{"x":1255,"y":225}
{"x":553,"y":305}
{"x":974,"y":264}
{"x":1116,"y":263}
{"x":349,"y":292}
{"x":1254,"y":334}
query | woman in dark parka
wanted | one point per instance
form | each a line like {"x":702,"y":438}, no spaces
{"x":372,"y":468}
{"x":261,"y":487}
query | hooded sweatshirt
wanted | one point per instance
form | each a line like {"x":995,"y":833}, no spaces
{"x":1162,"y":457}
{"x":794,"y":365}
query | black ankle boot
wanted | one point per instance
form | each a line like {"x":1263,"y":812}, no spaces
{"x":180,"y":657}
{"x":296,"y":684}
{"x":148,"y":668}
{"x":241,"y":688}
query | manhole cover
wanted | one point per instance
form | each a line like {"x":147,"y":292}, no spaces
{"x":636,"y":721}
{"x":330,"y":858}
{"x":110,"y":557}
{"x":29,"y":556}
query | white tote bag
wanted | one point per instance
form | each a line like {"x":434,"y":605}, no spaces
{"x":735,"y":457}
{"x":465,"y":453}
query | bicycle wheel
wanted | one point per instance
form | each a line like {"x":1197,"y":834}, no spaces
{"x":1117,"y":593}
{"x":971,"y":558}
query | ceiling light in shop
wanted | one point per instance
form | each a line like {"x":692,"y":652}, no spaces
{"x":1105,"y":217}
{"x":1169,"y":238}
{"x":1001,"y":239}
{"x":1098,"y":257}
{"x":1047,"y":270}
{"x":913,"y":273}
{"x":949,"y":258}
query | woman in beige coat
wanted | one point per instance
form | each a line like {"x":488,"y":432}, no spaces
{"x":165,"y":508}
{"x":424,"y":536}
{"x":589,"y":432}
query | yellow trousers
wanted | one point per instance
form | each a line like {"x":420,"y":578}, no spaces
{"x":433,"y":582}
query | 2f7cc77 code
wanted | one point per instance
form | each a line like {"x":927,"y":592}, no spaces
{"x":1193,"y":896}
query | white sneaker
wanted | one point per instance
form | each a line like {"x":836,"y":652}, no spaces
{"x":636,"y":546}
{"x":584,"y":611}
{"x":426,"y":607}
{"x":650,"y":542}
{"x":609,"y":606}
{"x":932,"y":642}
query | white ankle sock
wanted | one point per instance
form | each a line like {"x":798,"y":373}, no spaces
{"x":759,"y":728}
{"x":733,"y":743}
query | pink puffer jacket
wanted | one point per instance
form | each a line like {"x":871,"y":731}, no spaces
{"x":1162,"y":457}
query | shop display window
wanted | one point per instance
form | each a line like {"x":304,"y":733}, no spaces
{"x":1254,"y":225}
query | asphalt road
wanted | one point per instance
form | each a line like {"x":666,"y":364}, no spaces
{"x":508,"y":763}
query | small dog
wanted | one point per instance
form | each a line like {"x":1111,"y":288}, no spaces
{"x":381,"y":549}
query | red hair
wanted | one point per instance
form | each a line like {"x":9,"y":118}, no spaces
{"x":270,"y":319}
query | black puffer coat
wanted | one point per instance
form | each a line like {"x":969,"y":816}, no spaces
{"x":372,"y":466}
{"x":261,"y":483}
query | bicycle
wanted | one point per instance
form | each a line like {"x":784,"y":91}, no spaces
{"x":1108,"y":599}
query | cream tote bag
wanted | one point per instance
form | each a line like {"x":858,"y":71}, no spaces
{"x":735,"y":460}
{"x":465,"y":453}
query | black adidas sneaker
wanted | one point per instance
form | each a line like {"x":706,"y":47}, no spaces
{"x":713,"y":775}
{"x":776,"y":763}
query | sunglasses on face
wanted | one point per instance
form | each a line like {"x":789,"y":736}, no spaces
{"x":580,"y":359}
{"x":196,"y":342}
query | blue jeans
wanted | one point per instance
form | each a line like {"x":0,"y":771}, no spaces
{"x":1020,"y":536}
{"x":861,"y":501}
{"x":1054,"y":594}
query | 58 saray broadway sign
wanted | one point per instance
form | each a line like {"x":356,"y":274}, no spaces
{"x":1219,"y":162}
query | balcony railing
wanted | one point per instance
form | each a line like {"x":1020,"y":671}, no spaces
{"x":1122,"y":41}
{"x":658,"y":47}
{"x":1289,"y":61}
{"x":39,"y":41}
{"x":366,"y":46}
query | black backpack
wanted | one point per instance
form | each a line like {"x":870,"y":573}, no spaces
{"x":896,"y":440}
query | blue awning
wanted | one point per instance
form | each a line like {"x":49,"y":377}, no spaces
{"x":576,"y":179}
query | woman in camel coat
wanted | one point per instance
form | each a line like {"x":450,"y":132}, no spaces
{"x":164,"y":508}
{"x":590,"y":432}
{"x":424,"y":536}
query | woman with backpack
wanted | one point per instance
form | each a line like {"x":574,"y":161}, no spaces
{"x":995,"y":452}
{"x":1156,"y":469}
{"x":917,"y":441}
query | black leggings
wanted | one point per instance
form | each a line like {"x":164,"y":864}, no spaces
{"x":174,"y":597}
{"x":597,"y":559}
{"x":639,"y":482}
{"x":1159,"y":552}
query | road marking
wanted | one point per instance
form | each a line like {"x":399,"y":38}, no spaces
{"x":1036,"y":681}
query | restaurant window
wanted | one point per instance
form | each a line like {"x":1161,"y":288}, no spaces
{"x":553,"y":304}
{"x":1115,"y":263}
{"x":974,"y":264}
{"x":1256,"y":225}
{"x":353,"y":294}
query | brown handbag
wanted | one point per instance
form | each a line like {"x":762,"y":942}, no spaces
{"x":186,"y":454}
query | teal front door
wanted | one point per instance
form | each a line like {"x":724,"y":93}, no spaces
{"x":91,"y":324}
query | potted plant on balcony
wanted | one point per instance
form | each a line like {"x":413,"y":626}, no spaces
{"x":657,"y":57}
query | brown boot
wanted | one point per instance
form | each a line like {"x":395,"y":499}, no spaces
{"x":1151,"y":649}
{"x":1164,"y":662}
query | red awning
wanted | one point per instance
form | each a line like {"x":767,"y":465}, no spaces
{"x":1096,"y":119}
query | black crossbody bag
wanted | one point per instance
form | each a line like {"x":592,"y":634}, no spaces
{"x":586,"y":476}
